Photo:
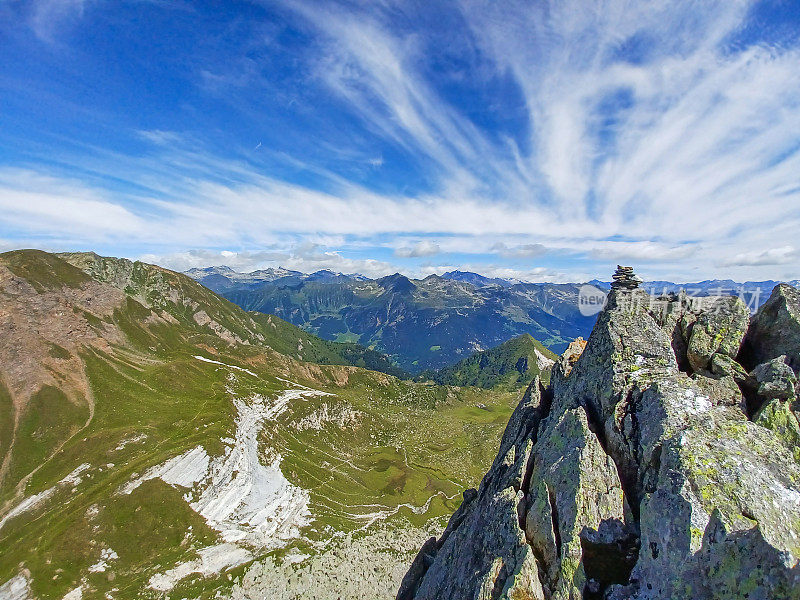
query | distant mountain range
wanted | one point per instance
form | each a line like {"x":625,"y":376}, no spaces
{"x":754,"y":293}
{"x":223,"y":277}
{"x":421,"y":324}
{"x":479,"y":280}
{"x":433,"y":322}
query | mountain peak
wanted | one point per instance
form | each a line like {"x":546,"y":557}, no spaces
{"x":397,"y":283}
{"x":580,"y":503}
{"x":476,"y":279}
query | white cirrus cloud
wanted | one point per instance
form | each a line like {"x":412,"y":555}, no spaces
{"x":650,"y":123}
{"x":643,"y":251}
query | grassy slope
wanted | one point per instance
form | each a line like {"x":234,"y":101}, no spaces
{"x":152,"y":286}
{"x":410,"y":440}
{"x":510,"y":365}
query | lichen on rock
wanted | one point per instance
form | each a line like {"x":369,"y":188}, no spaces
{"x":637,"y":474}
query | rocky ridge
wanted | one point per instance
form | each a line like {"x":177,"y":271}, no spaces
{"x":662,"y":463}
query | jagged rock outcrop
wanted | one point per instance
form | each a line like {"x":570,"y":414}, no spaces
{"x":637,"y":474}
{"x":775,"y":329}
{"x":718,"y":330}
{"x":772,"y":348}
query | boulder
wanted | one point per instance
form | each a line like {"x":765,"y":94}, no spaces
{"x":777,"y":416}
{"x":720,"y":329}
{"x":775,"y":379}
{"x":563,"y":366}
{"x":676,"y":314}
{"x":723,"y":365}
{"x":775,"y":330}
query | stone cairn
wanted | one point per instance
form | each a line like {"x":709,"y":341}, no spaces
{"x":625,"y":279}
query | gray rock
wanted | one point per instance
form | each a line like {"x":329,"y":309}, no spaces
{"x":676,"y":314}
{"x":574,"y":487}
{"x":775,"y":329}
{"x":777,"y":415}
{"x":723,"y":365}
{"x":630,"y":479}
{"x":775,"y":379}
{"x":720,"y":329}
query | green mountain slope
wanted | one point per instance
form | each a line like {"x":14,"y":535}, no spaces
{"x":158,"y":441}
{"x":157,"y":287}
{"x":510,"y":365}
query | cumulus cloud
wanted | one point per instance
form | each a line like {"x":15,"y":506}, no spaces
{"x":304,"y":257}
{"x":534,"y":275}
{"x":774,"y":256}
{"x":421,"y":248}
{"x":520,"y":251}
{"x":238,"y":261}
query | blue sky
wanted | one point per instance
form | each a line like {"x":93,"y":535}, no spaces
{"x":541,"y":140}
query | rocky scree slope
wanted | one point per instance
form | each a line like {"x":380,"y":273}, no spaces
{"x":662,"y":463}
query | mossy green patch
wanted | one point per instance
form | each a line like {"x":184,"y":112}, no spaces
{"x":42,"y":270}
{"x":49,"y":419}
{"x":778,"y":416}
{"x":511,"y":365}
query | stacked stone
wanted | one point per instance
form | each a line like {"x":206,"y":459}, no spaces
{"x":624,"y":278}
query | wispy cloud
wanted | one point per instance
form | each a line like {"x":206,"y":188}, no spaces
{"x":48,"y":17}
{"x":37,"y":204}
{"x":566,"y":134}
{"x":161,"y":138}
{"x":522,"y":251}
{"x":644,"y":251}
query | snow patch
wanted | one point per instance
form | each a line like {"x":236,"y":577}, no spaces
{"x":216,"y":362}
{"x":244,"y":499}
{"x":542,"y":361}
{"x":76,"y":594}
{"x":185,"y":470}
{"x":252,"y":505}
{"x":210,"y":561}
{"x":131,"y":440}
